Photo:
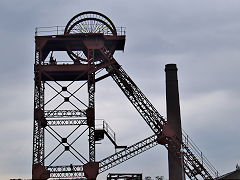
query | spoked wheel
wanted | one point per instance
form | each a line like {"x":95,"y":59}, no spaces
{"x":88,"y":22}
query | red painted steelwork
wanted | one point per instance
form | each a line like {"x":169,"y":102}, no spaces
{"x":91,"y":49}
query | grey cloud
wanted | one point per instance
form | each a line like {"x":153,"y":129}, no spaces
{"x":200,"y":36}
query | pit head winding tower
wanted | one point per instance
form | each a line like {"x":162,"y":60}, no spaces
{"x":88,"y":39}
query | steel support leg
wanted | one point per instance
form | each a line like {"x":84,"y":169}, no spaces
{"x":91,"y":107}
{"x":91,"y":169}
{"x":38,"y":169}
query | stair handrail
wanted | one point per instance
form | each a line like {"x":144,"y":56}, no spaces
{"x":109,"y":130}
{"x":195,"y":149}
{"x":104,"y":126}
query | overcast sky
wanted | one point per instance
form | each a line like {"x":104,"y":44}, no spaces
{"x":201,"y":37}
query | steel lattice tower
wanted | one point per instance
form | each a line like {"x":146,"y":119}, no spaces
{"x":86,"y":37}
{"x":90,"y":40}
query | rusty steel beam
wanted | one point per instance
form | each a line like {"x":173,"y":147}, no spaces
{"x":127,"y":153}
{"x":66,"y":171}
{"x":65,"y":122}
{"x":91,"y":106}
{"x":67,"y":113}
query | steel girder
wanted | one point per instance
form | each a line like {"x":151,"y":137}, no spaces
{"x":66,"y":171}
{"x":127,"y":153}
{"x":65,"y":122}
{"x":91,"y":105}
{"x":38,"y":130}
{"x":64,"y":113}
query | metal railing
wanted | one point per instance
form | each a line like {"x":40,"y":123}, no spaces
{"x":59,"y":30}
{"x":198,"y":153}
{"x":51,"y":30}
{"x":58,"y":62}
{"x":102,"y":125}
{"x":121,"y":30}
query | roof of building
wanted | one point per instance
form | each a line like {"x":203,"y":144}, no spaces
{"x":234,"y":175}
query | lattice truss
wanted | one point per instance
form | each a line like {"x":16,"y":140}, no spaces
{"x":64,"y":123}
{"x":64,"y":111}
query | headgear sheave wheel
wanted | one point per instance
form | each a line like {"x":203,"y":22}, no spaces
{"x":87,"y":23}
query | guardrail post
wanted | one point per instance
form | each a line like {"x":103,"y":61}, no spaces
{"x":36,"y":31}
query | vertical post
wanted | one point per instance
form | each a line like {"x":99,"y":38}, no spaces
{"x":176,"y":170}
{"x":91,"y":169}
{"x":91,"y":95}
{"x":38,"y":169}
